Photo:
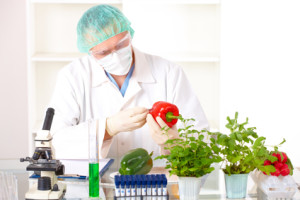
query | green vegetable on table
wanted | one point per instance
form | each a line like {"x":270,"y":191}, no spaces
{"x":136,"y":161}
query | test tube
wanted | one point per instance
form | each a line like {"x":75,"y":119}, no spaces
{"x":93,"y":159}
{"x":148,"y":177}
{"x":159,"y":183}
{"x":127,"y":182}
{"x":117,"y":184}
{"x":144,"y":189}
{"x":153,"y":183}
{"x":138,"y":185}
{"x":133,"y":183}
{"x":122,"y":185}
{"x":164,"y":182}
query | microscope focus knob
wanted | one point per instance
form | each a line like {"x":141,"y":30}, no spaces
{"x":55,"y":188}
{"x":44,"y":183}
{"x":60,"y":170}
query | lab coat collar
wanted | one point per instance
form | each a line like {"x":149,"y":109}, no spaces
{"x":142,"y":74}
{"x":142,"y":70}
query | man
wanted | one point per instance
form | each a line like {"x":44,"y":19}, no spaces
{"x":115,"y":85}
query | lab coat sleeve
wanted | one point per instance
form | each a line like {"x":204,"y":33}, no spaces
{"x":70,"y":126}
{"x":180,"y":92}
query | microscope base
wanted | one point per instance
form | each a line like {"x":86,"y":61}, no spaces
{"x":35,"y":194}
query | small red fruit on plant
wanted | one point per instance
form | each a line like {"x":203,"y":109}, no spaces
{"x":278,"y":165}
{"x":284,"y":160}
{"x":285,"y":170}
{"x":276,"y":173}
{"x":267,"y":162}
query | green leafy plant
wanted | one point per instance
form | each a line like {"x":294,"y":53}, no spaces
{"x":242,"y":150}
{"x":190,"y":155}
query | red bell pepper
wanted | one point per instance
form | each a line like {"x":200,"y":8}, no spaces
{"x":168,"y":112}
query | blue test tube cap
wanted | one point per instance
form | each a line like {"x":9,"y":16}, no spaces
{"x":117,"y":180}
{"x":153,"y":179}
{"x":158,"y":179}
{"x":164,"y":180}
{"x":122,"y":178}
{"x":127,"y":180}
{"x":133,"y":181}
{"x":144,"y":180}
{"x":138,"y":180}
{"x":148,"y":178}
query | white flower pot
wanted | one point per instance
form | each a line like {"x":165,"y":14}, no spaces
{"x":189,"y":187}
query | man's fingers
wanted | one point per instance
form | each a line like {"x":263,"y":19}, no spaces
{"x":161,"y":122}
{"x":138,"y":110}
{"x":139,"y":124}
{"x":139,"y":117}
{"x":152,"y":124}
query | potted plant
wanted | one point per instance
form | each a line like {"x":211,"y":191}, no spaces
{"x":190,"y":158}
{"x":242,"y":151}
{"x":279,"y":183}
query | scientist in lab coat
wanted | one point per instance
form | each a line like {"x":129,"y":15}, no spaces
{"x":114,"y":86}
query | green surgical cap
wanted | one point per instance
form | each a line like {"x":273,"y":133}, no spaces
{"x":98,"y":24}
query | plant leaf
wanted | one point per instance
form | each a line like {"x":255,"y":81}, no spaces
{"x":258,"y":142}
{"x":236,"y":159}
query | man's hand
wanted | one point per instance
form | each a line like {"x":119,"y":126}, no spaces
{"x":157,"y":133}
{"x":126,"y":120}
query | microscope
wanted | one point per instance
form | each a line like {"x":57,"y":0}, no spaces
{"x":43,"y":162}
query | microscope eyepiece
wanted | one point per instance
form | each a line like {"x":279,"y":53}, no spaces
{"x":48,"y":119}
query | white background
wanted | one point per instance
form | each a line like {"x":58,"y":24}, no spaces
{"x":260,"y":68}
{"x":13,"y":80}
{"x":259,"y":71}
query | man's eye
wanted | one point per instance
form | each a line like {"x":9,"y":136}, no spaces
{"x":103,"y":52}
{"x":121,"y":45}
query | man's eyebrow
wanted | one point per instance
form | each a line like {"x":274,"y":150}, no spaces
{"x":102,"y":49}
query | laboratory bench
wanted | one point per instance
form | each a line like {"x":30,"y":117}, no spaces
{"x":213,"y":188}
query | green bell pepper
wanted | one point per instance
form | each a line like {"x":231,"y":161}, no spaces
{"x":136,"y":161}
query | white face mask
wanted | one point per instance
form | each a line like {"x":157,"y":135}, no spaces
{"x":118,"y":62}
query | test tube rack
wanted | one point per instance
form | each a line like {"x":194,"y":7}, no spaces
{"x":141,"y":186}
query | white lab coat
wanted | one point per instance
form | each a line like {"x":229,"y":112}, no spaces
{"x":83,"y":91}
